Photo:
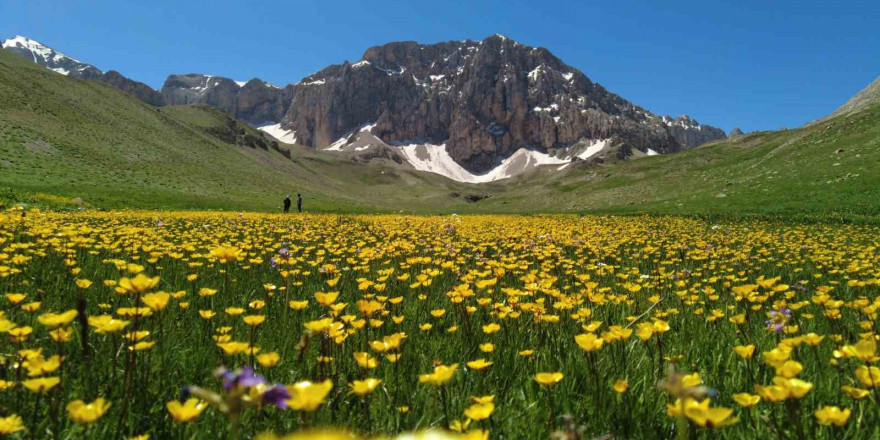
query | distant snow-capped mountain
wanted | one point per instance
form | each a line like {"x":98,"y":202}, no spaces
{"x":67,"y":65}
{"x":50,"y":58}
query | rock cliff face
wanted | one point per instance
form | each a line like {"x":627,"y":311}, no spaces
{"x":485,"y":99}
{"x":138,"y":89}
{"x":691,"y":134}
{"x":255,"y":101}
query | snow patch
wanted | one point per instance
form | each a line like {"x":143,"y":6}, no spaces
{"x":313,"y":83}
{"x":551,"y":107}
{"x":360,"y":64}
{"x":337,"y":146}
{"x":651,"y":152}
{"x":593,"y":149}
{"x":435,"y":159}
{"x":240,"y":83}
{"x":533,"y":75}
{"x":275,"y":130}
{"x":37,"y":48}
{"x":390,"y":72}
{"x":204,"y":88}
{"x":343,"y":141}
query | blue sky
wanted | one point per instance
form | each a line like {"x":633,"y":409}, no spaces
{"x":752,"y":64}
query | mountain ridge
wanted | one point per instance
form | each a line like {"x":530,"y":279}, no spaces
{"x":478,"y":134}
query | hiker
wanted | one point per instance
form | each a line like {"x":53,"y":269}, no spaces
{"x":287,"y":204}
{"x":299,"y":202}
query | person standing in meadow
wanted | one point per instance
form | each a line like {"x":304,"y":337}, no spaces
{"x":299,"y":202}
{"x":287,"y":204}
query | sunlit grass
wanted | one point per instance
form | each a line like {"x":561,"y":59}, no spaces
{"x":116,"y":324}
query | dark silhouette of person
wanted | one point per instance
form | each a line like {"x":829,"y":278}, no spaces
{"x":299,"y":202}
{"x":287,"y":204}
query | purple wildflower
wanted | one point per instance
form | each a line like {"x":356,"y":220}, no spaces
{"x":277,"y":395}
{"x":778,"y":319}
{"x":244,"y":378}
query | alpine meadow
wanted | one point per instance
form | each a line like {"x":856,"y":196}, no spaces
{"x":467,"y":239}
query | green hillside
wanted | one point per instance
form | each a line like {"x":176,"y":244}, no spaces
{"x":63,"y":139}
{"x":830,"y":166}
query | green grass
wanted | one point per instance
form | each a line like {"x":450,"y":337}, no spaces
{"x":790,"y":172}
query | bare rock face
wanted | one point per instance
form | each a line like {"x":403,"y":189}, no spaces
{"x":691,"y":134}
{"x":138,"y":89}
{"x":484,"y":99}
{"x":255,"y":101}
{"x":735,"y":133}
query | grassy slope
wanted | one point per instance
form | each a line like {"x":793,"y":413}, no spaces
{"x":72,"y":138}
{"x":790,"y":171}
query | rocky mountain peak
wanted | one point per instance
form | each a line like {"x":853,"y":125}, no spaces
{"x":482,"y":99}
{"x":48,"y":57}
{"x":66,"y":65}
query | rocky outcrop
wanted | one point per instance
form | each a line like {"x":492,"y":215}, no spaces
{"x":255,"y":101}
{"x":735,"y":133}
{"x":196,"y":88}
{"x":483,"y":99}
{"x":138,"y":89}
{"x":691,"y":134}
